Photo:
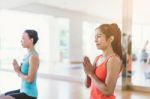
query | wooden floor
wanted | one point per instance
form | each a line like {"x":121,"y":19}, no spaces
{"x":61,"y":89}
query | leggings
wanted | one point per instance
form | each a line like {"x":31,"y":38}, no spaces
{"x":18,"y":95}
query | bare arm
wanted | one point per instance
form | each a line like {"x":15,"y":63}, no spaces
{"x":88,"y":79}
{"x":34,"y":64}
{"x":113,"y":70}
{"x":16,"y":66}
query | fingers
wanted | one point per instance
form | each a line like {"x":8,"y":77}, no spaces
{"x":86,"y":60}
{"x":15,"y":63}
{"x":84,"y":64}
{"x":14,"y":60}
{"x":85,"y":67}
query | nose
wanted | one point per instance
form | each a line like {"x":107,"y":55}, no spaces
{"x":95,"y":39}
{"x":21,"y":41}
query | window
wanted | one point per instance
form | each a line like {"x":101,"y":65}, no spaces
{"x":63,"y":31}
{"x":13,"y":25}
{"x":140,"y":68}
{"x":53,"y":38}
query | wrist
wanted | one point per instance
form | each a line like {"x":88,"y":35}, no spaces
{"x":18,"y":73}
{"x":91,"y":74}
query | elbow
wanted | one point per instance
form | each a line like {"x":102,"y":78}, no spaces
{"x":87,"y":84}
{"x":29,"y":80}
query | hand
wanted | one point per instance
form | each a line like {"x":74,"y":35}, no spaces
{"x":16,"y":66}
{"x":88,"y":67}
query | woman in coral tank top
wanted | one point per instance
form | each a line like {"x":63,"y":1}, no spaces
{"x":103,"y":74}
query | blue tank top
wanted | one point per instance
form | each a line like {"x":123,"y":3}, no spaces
{"x":28,"y":88}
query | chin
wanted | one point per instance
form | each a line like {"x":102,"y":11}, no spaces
{"x":23,"y":46}
{"x":99,"y":48}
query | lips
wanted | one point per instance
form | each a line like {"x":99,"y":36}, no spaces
{"x":97,"y":44}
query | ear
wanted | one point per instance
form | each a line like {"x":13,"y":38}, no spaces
{"x":32,"y":40}
{"x":112,"y":38}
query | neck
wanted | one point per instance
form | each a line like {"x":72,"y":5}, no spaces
{"x":108,"y":51}
{"x":30,"y":49}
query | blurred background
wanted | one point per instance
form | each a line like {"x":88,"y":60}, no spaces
{"x":66,"y":31}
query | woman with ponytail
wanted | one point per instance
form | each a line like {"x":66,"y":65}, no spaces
{"x":103,"y":74}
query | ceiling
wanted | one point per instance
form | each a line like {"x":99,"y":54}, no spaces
{"x":111,"y":9}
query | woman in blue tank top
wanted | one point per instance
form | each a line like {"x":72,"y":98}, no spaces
{"x":28,"y":69}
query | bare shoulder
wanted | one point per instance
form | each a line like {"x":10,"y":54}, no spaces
{"x":114,"y":62}
{"x":34,"y":57}
{"x":115,"y":59}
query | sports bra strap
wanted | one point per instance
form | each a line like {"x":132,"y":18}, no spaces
{"x":96,"y":59}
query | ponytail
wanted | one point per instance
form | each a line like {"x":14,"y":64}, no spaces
{"x":113,"y":30}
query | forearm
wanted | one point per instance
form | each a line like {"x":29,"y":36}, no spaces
{"x":24,"y":77}
{"x":100,"y":85}
{"x":87,"y":81}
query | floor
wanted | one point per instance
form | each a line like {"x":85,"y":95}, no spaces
{"x":65,"y":83}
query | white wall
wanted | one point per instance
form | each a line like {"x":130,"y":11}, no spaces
{"x":76,"y":51}
{"x":0,"y":39}
{"x":76,"y":26}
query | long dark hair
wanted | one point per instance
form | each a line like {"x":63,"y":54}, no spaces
{"x":113,"y":30}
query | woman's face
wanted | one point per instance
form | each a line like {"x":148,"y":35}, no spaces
{"x":26,"y":41}
{"x":100,"y":39}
